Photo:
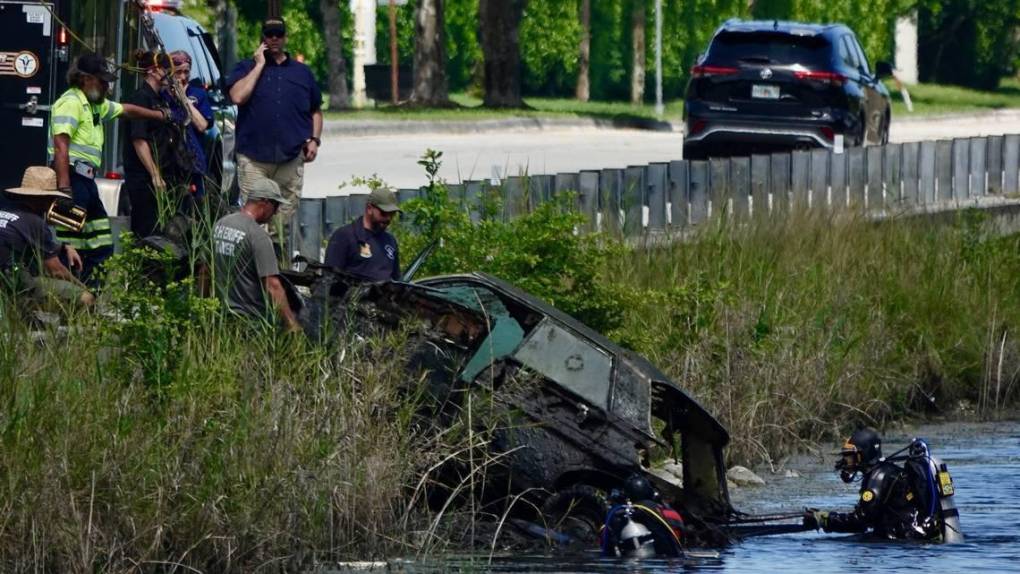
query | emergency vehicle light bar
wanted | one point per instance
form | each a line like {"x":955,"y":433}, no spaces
{"x":159,"y":5}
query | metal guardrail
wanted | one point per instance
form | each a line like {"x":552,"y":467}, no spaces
{"x":675,"y":196}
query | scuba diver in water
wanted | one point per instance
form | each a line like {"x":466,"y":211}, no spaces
{"x":640,"y":524}
{"x":912,"y":501}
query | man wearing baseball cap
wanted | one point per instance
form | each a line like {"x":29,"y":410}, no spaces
{"x":245,"y":269}
{"x":364,"y":247}
{"x":76,"y":150}
{"x":279,"y":116}
{"x":29,"y":254}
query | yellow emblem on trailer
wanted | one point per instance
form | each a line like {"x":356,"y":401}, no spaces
{"x":867,"y":496}
{"x":946,"y":483}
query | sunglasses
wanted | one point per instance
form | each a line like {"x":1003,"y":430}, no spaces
{"x":274,"y":34}
{"x":183,"y":71}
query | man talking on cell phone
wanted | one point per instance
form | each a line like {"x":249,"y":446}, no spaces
{"x":279,"y":117}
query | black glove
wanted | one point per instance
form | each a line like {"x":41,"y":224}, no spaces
{"x":814,"y":518}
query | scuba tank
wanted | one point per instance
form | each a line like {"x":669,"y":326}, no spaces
{"x":934,"y":489}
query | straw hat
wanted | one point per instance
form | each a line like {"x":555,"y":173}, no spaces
{"x":38,"y":181}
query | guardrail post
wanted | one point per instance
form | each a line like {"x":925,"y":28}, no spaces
{"x":1010,"y":164}
{"x":857,"y":176}
{"x":473,"y":198}
{"x":994,"y":156}
{"x":961,"y":169}
{"x":588,"y":188}
{"x":892,"y":172}
{"x":740,"y":187}
{"x":838,"y":169}
{"x":655,"y":186}
{"x":514,"y":201}
{"x":761,"y":167}
{"x":310,"y":228}
{"x":698,"y":190}
{"x":928,"y":192}
{"x":876,"y":191}
{"x":910,"y":155}
{"x":335,"y":215}
{"x":678,"y":194}
{"x":719,"y":187}
{"x":610,"y":193}
{"x":944,"y":170}
{"x":356,"y":202}
{"x":800,"y":171}
{"x":565,"y":183}
{"x":780,"y":184}
{"x":819,"y":179}
{"x":978,"y":167}
{"x":633,"y":200}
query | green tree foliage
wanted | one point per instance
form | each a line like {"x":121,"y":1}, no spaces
{"x":550,"y":33}
{"x":966,"y":42}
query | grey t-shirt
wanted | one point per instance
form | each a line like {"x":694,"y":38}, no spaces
{"x":243,"y":257}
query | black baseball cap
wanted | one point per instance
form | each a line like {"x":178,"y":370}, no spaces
{"x":95,"y":65}
{"x":274,"y":25}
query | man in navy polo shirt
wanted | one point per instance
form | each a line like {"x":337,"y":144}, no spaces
{"x":364,"y":247}
{"x":279,"y":117}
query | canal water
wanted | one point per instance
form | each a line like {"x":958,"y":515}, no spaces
{"x":984,"y":459}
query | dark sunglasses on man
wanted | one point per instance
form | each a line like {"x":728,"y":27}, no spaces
{"x":273,"y":34}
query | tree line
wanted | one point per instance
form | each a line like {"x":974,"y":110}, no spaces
{"x":508,"y":49}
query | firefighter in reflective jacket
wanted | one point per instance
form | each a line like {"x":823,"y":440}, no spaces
{"x":910,"y":501}
{"x":76,"y":148}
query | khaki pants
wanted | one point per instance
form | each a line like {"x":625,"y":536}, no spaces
{"x":288,"y":175}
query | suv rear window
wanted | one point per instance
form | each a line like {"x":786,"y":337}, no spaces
{"x":776,"y":48}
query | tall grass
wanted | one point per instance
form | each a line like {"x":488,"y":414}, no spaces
{"x":793,"y":330}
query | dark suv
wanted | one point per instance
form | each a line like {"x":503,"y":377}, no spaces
{"x":766,"y":85}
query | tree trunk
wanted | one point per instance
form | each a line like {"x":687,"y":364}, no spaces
{"x":499,"y":23}
{"x":584,"y":59}
{"x":637,"y":70}
{"x":430,"y":85}
{"x":336,"y":66}
{"x":225,"y":32}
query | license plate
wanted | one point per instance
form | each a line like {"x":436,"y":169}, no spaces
{"x":946,"y":484}
{"x":765,"y":91}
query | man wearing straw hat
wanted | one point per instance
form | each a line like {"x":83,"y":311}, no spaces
{"x":29,"y":254}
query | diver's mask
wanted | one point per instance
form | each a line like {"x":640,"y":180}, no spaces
{"x":848,"y":466}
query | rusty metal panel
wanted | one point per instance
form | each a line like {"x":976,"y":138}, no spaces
{"x":655,"y":185}
{"x":698,"y":187}
{"x":740,"y":186}
{"x":678,"y":196}
{"x":818,"y":181}
{"x":994,"y":163}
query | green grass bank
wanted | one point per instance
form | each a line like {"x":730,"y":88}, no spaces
{"x":161,"y":435}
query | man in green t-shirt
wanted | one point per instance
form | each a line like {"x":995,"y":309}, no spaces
{"x":245,"y":269}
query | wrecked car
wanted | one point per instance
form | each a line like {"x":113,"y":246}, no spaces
{"x":581,"y":415}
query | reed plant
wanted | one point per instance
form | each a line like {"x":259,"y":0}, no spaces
{"x":800,"y":327}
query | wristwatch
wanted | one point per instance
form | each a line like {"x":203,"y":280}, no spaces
{"x":317,"y":141}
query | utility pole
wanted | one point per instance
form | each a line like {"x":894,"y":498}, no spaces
{"x":659,"y":108}
{"x":394,"y":70}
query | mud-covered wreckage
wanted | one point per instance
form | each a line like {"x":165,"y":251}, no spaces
{"x":586,"y":414}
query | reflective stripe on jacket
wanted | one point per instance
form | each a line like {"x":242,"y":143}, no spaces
{"x":73,"y":115}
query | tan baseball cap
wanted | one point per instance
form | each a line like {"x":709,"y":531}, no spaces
{"x":38,"y":181}
{"x":266,"y":188}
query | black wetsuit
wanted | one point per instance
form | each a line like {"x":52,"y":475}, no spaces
{"x":893,"y":503}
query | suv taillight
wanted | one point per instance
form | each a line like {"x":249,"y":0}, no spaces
{"x":824,"y":77}
{"x":706,"y":71}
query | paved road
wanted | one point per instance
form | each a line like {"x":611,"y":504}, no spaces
{"x":476,"y":156}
